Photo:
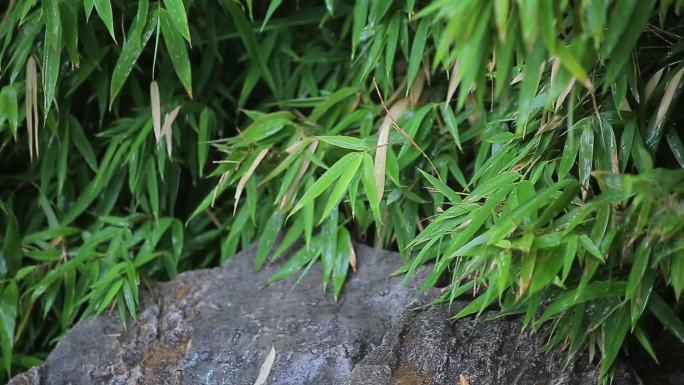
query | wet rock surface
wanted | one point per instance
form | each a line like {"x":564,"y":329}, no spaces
{"x":424,"y":348}
{"x":215,"y":327}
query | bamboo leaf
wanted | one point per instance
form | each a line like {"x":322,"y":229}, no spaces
{"x":341,"y":267}
{"x":369,"y":187}
{"x":131,"y":50}
{"x":249,"y":40}
{"x":248,"y":174}
{"x":417,"y":50}
{"x":104,"y":10}
{"x":268,"y":238}
{"x":342,"y":185}
{"x":347,"y":142}
{"x":8,"y":316}
{"x":177,"y":17}
{"x":325,"y":181}
{"x":177,"y":50}
{"x":265,"y":369}
{"x":51,"y":52}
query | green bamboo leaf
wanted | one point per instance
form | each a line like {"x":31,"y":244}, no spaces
{"x":8,"y":316}
{"x":331,"y":101}
{"x":177,"y":17}
{"x":504,"y":61}
{"x":62,"y":161}
{"x":586,"y":154}
{"x":308,"y":216}
{"x":589,"y":245}
{"x":177,"y":238}
{"x":626,"y":142}
{"x":206,"y":118}
{"x":675,"y":144}
{"x":329,"y":246}
{"x":573,"y":65}
{"x":347,"y":142}
{"x":104,"y":10}
{"x":268,"y":238}
{"x":293,"y":234}
{"x":392,"y":43}
{"x":341,"y":266}
{"x":417,"y":50}
{"x":130,"y":51}
{"x":129,"y":300}
{"x":617,"y":23}
{"x":545,"y":271}
{"x":636,"y":274}
{"x":442,"y":187}
{"x":370,"y":188}
{"x":626,"y":40}
{"x":249,"y":40}
{"x":82,"y":143}
{"x":358,"y":24}
{"x":342,"y":185}
{"x":325,"y":181}
{"x":88,"y":8}
{"x":594,"y":290}
{"x":266,"y":126}
{"x":533,"y":71}
{"x":501,"y":12}
{"x":177,"y":51}
{"x":304,"y":256}
{"x":272,"y":6}
{"x":529,"y":20}
{"x":645,"y":343}
{"x":11,"y":245}
{"x":109,"y":297}
{"x":614,"y":332}
{"x":569,"y":254}
{"x":666,"y":316}
{"x":152,"y":187}
{"x":492,"y":185}
{"x":68,"y":13}
{"x":9,"y":108}
{"x":451,"y":124}
{"x":51,"y":51}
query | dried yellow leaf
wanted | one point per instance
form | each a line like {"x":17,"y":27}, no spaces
{"x":266,"y":367}
{"x":417,"y":88}
{"x":393,"y":114}
{"x":298,"y":177}
{"x":454,"y":79}
{"x":166,"y":130}
{"x":248,"y":174}
{"x":669,"y":94}
{"x":156,"y":109}
{"x":352,"y":257}
{"x":32,"y":106}
{"x":652,"y":84}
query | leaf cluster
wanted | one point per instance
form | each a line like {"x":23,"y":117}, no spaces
{"x":528,"y":150}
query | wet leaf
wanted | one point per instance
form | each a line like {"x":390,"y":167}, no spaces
{"x":104,"y":10}
{"x":177,"y":50}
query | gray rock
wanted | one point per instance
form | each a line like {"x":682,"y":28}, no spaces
{"x":214,"y":327}
{"x":423,"y":347}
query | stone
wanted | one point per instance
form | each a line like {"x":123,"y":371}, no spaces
{"x":215,"y":327}
{"x":423,"y":347}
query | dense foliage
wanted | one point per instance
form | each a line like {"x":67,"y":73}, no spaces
{"x":529,"y":149}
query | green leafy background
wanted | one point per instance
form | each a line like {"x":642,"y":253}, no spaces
{"x":531,"y":150}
